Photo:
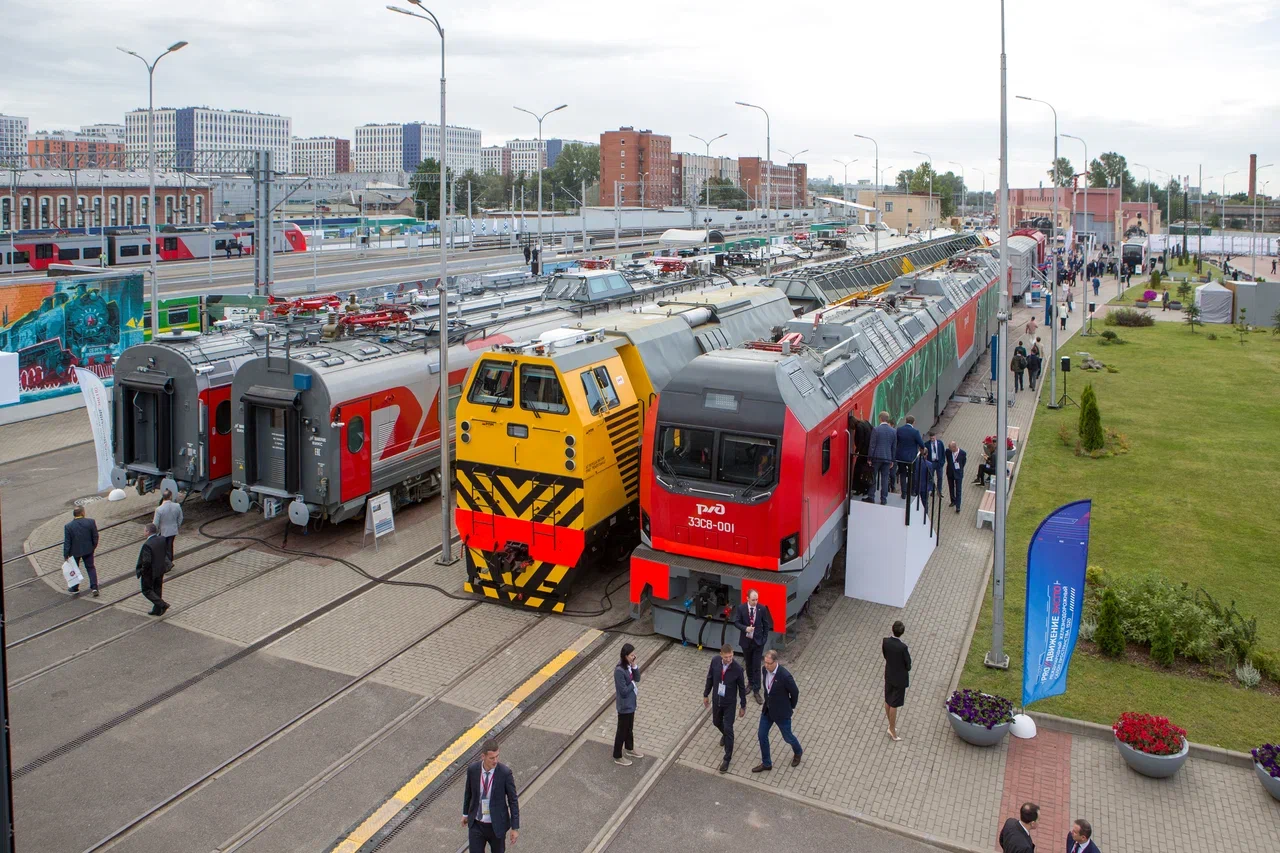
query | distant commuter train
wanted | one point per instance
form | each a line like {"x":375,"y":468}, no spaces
{"x":37,"y":250}
{"x":750,"y":453}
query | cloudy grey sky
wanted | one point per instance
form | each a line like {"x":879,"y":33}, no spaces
{"x":1169,"y":83}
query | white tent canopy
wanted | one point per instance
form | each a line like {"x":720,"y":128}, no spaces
{"x":1214,"y":302}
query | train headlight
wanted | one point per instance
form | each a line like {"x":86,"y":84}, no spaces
{"x":466,"y":438}
{"x":569,"y":465}
{"x":466,"y":426}
{"x":569,"y":453}
{"x":790,"y":548}
{"x":570,"y":440}
{"x":517,"y":431}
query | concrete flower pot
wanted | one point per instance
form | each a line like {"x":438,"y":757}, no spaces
{"x":1153,"y":766}
{"x":1271,"y":783}
{"x":978,"y":735}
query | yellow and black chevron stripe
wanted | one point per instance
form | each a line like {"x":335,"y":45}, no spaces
{"x":537,"y":585}
{"x":515,"y":493}
{"x":624,"y":434}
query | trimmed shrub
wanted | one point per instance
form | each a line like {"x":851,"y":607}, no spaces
{"x":1091,"y":434}
{"x":1155,"y":278}
{"x":1128,"y":317}
{"x":1162,"y":647}
{"x":1248,"y":676}
{"x":1109,"y":636}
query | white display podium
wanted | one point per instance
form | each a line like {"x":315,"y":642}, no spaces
{"x":885,"y":556}
{"x":9,"y":390}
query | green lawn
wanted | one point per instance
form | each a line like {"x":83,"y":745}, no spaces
{"x":1195,"y":499}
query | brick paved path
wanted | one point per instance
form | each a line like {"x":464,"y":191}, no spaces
{"x":931,"y":782}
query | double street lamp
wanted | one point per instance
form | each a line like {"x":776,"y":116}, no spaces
{"x":1053,"y":260}
{"x":768,"y":180}
{"x":791,"y":159}
{"x":446,"y":431}
{"x":844,"y":187}
{"x":152,"y":207}
{"x":878,"y":176}
{"x":542,"y":166}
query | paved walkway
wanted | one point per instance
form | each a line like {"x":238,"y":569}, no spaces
{"x":24,"y":439}
{"x":933,"y":783}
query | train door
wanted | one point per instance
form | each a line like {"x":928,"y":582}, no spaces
{"x":218,"y":430}
{"x":357,"y":471}
{"x":271,"y":446}
{"x":146,"y":421}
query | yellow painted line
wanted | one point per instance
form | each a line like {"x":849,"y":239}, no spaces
{"x":460,"y":747}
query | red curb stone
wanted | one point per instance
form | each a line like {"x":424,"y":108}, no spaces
{"x":1039,"y":771}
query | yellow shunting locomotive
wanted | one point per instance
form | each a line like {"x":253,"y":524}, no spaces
{"x":549,"y":432}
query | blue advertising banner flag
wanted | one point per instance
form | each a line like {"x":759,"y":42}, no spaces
{"x":1056,"y":561}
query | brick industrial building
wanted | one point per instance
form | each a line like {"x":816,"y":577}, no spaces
{"x":628,"y":156}
{"x":51,"y":198}
{"x":71,"y":150}
{"x":787,"y":183}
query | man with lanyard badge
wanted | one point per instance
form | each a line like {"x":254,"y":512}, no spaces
{"x":490,"y":804}
{"x":754,"y":624}
{"x":726,"y":678}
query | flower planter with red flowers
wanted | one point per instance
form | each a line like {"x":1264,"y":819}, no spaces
{"x":1151,"y":745}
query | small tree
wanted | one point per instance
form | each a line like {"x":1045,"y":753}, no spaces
{"x":1243,"y":327}
{"x":1091,"y":434}
{"x":1184,"y":292}
{"x":1191,"y":315}
{"x":1109,"y":636}
{"x":1155,"y":278}
{"x":1162,"y":644}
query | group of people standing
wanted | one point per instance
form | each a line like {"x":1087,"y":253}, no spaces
{"x":1030,"y":362}
{"x":920,"y":465}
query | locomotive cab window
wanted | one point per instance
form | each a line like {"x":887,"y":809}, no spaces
{"x":747,"y":460}
{"x":355,"y":434}
{"x":826,"y":454}
{"x":540,"y":390}
{"x":601,"y":395}
{"x":494,"y":384}
{"x":222,"y":418}
{"x":684,"y":452}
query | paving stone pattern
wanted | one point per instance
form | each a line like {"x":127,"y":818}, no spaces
{"x":23,"y":439}
{"x":205,"y":581}
{"x":1039,"y":771}
{"x":363,"y":631}
{"x":670,"y":701}
{"x":214,"y":555}
{"x":508,"y":669}
{"x":430,"y":666}
{"x":575,"y":702}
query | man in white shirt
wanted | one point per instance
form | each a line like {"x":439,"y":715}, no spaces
{"x":490,"y":804}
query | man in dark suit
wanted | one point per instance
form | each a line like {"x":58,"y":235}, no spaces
{"x":79,"y":541}
{"x":954,"y":463}
{"x":490,"y":804}
{"x":153,"y":562}
{"x":897,"y":665}
{"x":936,"y":451}
{"x":1080,"y":838}
{"x":882,"y":452}
{"x":725,"y":682}
{"x":1015,"y":837}
{"x":754,"y":624}
{"x":780,"y":698}
{"x":910,"y":445}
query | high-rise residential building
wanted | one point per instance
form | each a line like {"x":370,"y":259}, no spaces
{"x":109,"y":132}
{"x":527,"y":156}
{"x":638,"y":164}
{"x":387,"y":147}
{"x":690,"y":172}
{"x":13,"y":140}
{"x":788,"y":184}
{"x":182,"y":135}
{"x":67,"y":149}
{"x":555,"y":146}
{"x":320,"y":156}
{"x":495,"y":160}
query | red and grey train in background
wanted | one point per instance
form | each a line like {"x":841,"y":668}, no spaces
{"x":747,"y":473}
{"x":37,"y":250}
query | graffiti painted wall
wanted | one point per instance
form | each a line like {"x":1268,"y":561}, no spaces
{"x":58,"y":324}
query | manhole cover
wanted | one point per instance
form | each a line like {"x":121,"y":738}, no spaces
{"x":79,"y":501}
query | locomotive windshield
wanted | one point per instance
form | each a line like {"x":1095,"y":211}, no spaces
{"x":540,"y":390}
{"x":742,"y":460}
{"x":686,"y":452}
{"x":746,"y":460}
{"x":493,"y":385}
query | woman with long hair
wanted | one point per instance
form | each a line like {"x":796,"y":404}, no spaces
{"x":625,"y":677}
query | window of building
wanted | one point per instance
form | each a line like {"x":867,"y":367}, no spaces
{"x":888,"y":207}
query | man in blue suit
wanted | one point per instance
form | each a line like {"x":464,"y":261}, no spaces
{"x":883,"y":449}
{"x":910,"y":445}
{"x":780,"y":698}
{"x":954,"y":463}
{"x":936,"y":451}
{"x":490,"y":804}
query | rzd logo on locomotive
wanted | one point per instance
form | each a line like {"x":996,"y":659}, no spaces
{"x":710,"y":509}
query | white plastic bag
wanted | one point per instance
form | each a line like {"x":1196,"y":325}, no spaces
{"x":71,"y":572}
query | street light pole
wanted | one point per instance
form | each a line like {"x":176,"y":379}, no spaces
{"x":930,"y":158}
{"x":1053,"y":262}
{"x":768,"y":182}
{"x":1088,"y":176}
{"x":1253,"y":232}
{"x":844,"y":188}
{"x":542,"y":166}
{"x":964,"y":188}
{"x":997,"y":657}
{"x":151,"y":169}
{"x":442,"y":396}
{"x":707,"y":183}
{"x":982,"y":203}
{"x":878,"y":181}
{"x":791,"y":159}
{"x":1148,"y":168}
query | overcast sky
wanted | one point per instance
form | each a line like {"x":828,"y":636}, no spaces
{"x":1169,"y":83}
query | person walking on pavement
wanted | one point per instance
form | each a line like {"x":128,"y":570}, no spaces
{"x":528,"y":254}
{"x":1017,"y":364}
{"x":780,"y":698}
{"x":1034,"y":364}
{"x":955,"y":460}
{"x":726,"y":682}
{"x":910,"y":443}
{"x":897,"y":665}
{"x":1097,"y":284}
{"x":754,"y":623}
{"x":1164,"y":299}
{"x":936,"y":451}
{"x":1080,"y":838}
{"x":79,"y":541}
{"x":536,"y":261}
{"x":168,"y":519}
{"x":152,"y":564}
{"x":625,"y":677}
{"x":490,"y":803}
{"x":1015,"y":837}
{"x":882,"y":452}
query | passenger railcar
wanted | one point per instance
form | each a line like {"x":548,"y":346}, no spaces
{"x":747,"y":471}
